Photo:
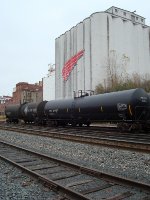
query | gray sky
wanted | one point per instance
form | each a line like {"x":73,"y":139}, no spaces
{"x":28,"y":29}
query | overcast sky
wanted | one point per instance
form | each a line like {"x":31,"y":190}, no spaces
{"x":28,"y":29}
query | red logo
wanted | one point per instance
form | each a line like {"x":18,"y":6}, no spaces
{"x":69,"y":65}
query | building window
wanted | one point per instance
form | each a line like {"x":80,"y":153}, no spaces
{"x":116,"y":10}
{"x":133,"y":17}
{"x":142,"y":20}
{"x":124,"y":13}
{"x":136,"y":18}
{"x":29,"y":94}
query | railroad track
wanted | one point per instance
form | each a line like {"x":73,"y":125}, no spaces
{"x":73,"y":181}
{"x":94,"y":135}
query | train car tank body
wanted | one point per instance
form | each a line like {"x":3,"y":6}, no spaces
{"x":12,"y":113}
{"x":28,"y":112}
{"x":123,"y":105}
{"x":129,"y":106}
{"x":60,"y":111}
{"x":41,"y":117}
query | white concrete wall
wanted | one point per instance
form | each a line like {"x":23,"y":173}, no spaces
{"x":98,"y":48}
{"x":49,"y":87}
{"x":131,"y":40}
{"x":100,"y":35}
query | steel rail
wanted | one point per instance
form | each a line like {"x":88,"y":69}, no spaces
{"x":69,"y":192}
{"x":123,"y":143}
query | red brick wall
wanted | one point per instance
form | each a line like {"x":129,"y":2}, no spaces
{"x":2,"y":106}
{"x":20,"y":87}
{"x":23,"y":86}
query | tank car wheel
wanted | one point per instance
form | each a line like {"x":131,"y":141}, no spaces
{"x":122,"y":127}
{"x":56,"y":123}
{"x":73,"y":124}
{"x":80,"y":124}
{"x":88,"y":124}
{"x":64,"y":124}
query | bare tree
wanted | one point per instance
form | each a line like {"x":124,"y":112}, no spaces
{"x":117,"y":77}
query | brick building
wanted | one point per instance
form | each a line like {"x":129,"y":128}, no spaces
{"x":25,"y":92}
{"x":4,"y":100}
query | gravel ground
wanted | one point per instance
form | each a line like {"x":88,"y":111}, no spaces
{"x":15,"y":185}
{"x":129,"y":164}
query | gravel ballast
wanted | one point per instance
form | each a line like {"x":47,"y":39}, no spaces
{"x":16,"y":185}
{"x":129,"y":164}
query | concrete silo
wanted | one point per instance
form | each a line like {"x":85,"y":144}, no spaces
{"x":115,"y":33}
